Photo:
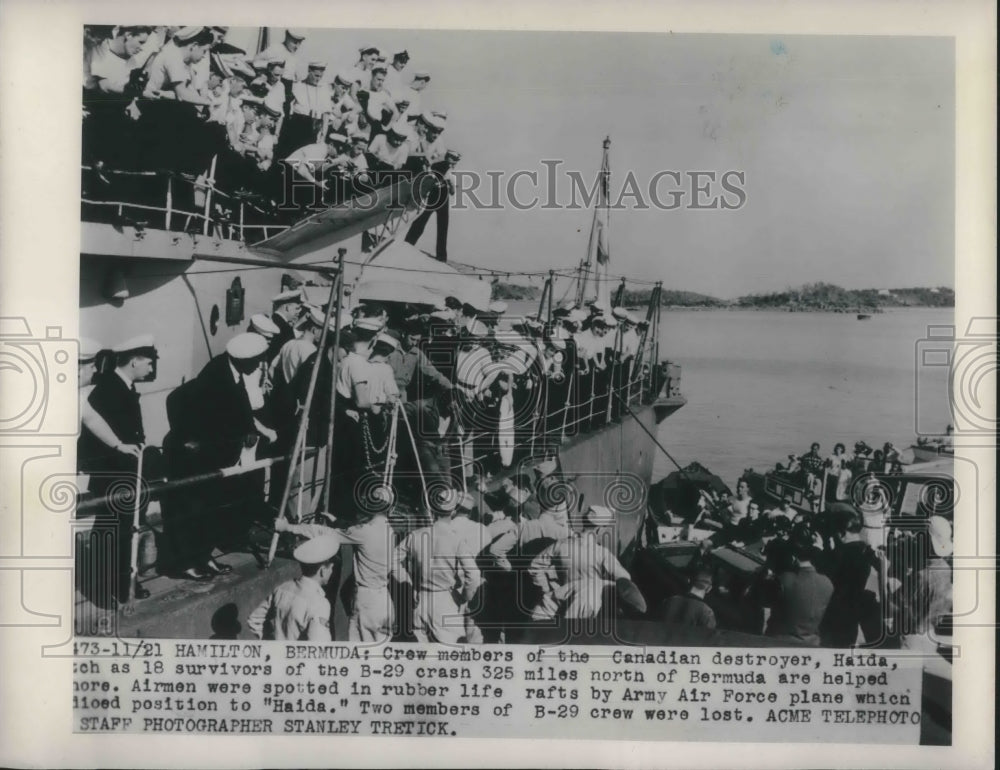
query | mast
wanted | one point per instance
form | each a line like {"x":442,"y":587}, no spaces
{"x":598,"y":250}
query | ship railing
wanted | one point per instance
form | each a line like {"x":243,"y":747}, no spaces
{"x":173,"y":217}
{"x":538,"y":440}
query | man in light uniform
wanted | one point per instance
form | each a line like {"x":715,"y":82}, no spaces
{"x":298,"y":611}
{"x":361,"y":73}
{"x":390,"y":149}
{"x":381,"y":109}
{"x":342,"y":112}
{"x":310,"y":101}
{"x":294,"y":352}
{"x":476,"y":538}
{"x":572,"y":573}
{"x":434,"y":560}
{"x":286,"y":53}
{"x":371,"y":612}
{"x":394,"y":77}
{"x":312,"y":161}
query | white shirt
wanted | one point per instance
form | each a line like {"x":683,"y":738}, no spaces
{"x":310,"y":100}
{"x":394,"y":157}
{"x":278,"y":52}
{"x":352,"y":372}
{"x":169,"y":69}
{"x":395,"y":80}
{"x":109,"y":72}
{"x":471,"y":368}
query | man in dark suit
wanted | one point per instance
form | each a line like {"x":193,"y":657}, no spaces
{"x":112,"y":469}
{"x":215,"y":422}
{"x":287,"y":308}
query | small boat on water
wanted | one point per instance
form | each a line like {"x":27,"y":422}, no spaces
{"x":864,"y":316}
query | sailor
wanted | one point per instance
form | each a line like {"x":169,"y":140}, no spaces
{"x":110,"y":454}
{"x":111,"y":63}
{"x":382,"y":388}
{"x":394,"y":76}
{"x":274,"y":87}
{"x":434,"y":560}
{"x":353,"y":165}
{"x":179,"y":139}
{"x":473,"y":372}
{"x":285,"y":52}
{"x":389,"y":150}
{"x":297,"y":350}
{"x":310,"y":100}
{"x":412,"y":94}
{"x":312,"y":161}
{"x":286,"y":309}
{"x":299,"y":611}
{"x":416,"y":376}
{"x":228,"y":394}
{"x":361,"y":74}
{"x":370,"y":610}
{"x":572,"y":573}
{"x":476,"y":539}
{"x":438,"y":202}
{"x":342,"y":113}
{"x":380,"y":109}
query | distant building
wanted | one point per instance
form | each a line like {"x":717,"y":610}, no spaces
{"x":884,"y":293}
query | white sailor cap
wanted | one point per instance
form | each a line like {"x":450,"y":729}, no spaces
{"x":599,"y":516}
{"x":368,"y":324}
{"x":317,"y":65}
{"x":367,"y":49}
{"x":387,"y":339}
{"x":263,"y":325}
{"x":143,"y":343}
{"x":334,"y":137}
{"x":295,"y":33}
{"x":88,"y":350}
{"x":441,"y":114}
{"x":421,"y":76}
{"x":402,"y":131}
{"x":499,"y":307}
{"x":318,"y":550}
{"x":345,"y":78}
{"x":605,"y":320}
{"x":576,"y":316}
{"x":289,"y":295}
{"x":432,"y":120}
{"x":622,"y":314}
{"x":379,"y":67}
{"x":464,"y":502}
{"x":446,"y":315}
{"x":246,"y":346}
{"x":185,"y":35}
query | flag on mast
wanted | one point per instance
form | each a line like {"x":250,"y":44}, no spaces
{"x":602,"y":223}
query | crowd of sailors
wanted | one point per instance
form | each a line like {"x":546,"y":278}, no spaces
{"x":278,"y":134}
{"x":440,"y":399}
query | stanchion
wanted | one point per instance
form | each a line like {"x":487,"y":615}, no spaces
{"x":300,"y":437}
{"x":134,"y":557}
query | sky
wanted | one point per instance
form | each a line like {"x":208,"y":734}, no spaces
{"x":846,"y":144}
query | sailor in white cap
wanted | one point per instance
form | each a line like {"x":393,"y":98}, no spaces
{"x":414,"y":91}
{"x":172,"y":70}
{"x":382,"y":388}
{"x":352,"y":163}
{"x":390,"y":150}
{"x":381,"y":109}
{"x":111,"y":458}
{"x":474,"y":373}
{"x":310,"y":100}
{"x":342,"y":113}
{"x":298,"y":611}
{"x":361,"y":73}
{"x":436,"y":562}
{"x":394,"y":77}
{"x":285,"y":52}
{"x":312,"y":161}
{"x":297,"y":350}
{"x":572,"y":573}
{"x":264,"y":326}
{"x":430,"y":129}
{"x":366,"y":528}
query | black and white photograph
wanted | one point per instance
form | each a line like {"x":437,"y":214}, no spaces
{"x":580,"y":384}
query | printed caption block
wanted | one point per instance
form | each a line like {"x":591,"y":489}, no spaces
{"x":519,"y":692}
